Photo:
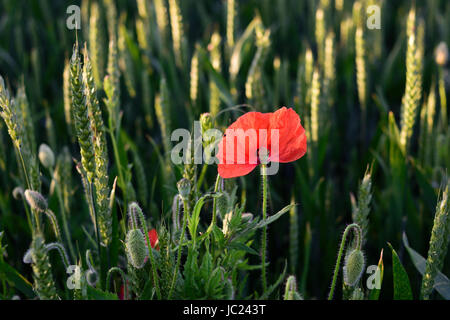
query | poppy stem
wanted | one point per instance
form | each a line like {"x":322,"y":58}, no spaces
{"x":357,"y":231}
{"x":150,"y":254}
{"x":264,"y":232}
{"x":180,"y":244}
{"x":216,"y":189}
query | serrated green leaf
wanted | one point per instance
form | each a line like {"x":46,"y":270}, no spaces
{"x":242,"y":247}
{"x":97,"y":294}
{"x":274,"y":217}
{"x":402,"y":286}
{"x":206,"y":266}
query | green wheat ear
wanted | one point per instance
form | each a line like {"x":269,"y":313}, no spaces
{"x":126,"y":61}
{"x":413,"y":90}
{"x":100,"y":153}
{"x":329,"y":71}
{"x":254,"y":89}
{"x":361,"y":69}
{"x":316,"y":105}
{"x":68,"y":116}
{"x":176,"y":24}
{"x":161,"y":20}
{"x":194,"y":79}
{"x":44,"y":284}
{"x":216,"y":61}
{"x":320,"y":31}
{"x":361,"y":210}
{"x":16,"y":116}
{"x":438,"y":245}
{"x":231,"y":25}
{"x":111,"y":83}
{"x":81,"y":117}
{"x":96,"y":44}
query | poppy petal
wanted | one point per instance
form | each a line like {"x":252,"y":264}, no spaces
{"x":153,"y":236}
{"x":291,"y":136}
{"x":238,"y":148}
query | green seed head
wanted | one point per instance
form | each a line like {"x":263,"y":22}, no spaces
{"x":46,"y":156}
{"x":136,"y":248}
{"x":353,"y":267}
{"x":184,"y":188}
{"x":206,"y":122}
{"x":36,"y":200}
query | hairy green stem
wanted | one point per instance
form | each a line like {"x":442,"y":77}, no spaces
{"x":122,"y":275}
{"x":358,"y":238}
{"x":63,"y":215}
{"x":264,"y":232}
{"x":150,"y":254}
{"x":180,"y":245}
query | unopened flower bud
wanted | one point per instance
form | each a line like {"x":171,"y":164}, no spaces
{"x":136,"y":248}
{"x":206,"y":123}
{"x":36,"y":200}
{"x":135,"y":212}
{"x":291,"y":289}
{"x":46,"y":156}
{"x":184,"y":188}
{"x":353,"y":267}
{"x":28,"y":256}
{"x":91,"y":277}
{"x":247,"y":216}
{"x":17,"y":193}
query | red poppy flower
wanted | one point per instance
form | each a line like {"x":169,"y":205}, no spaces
{"x":279,"y":132}
{"x":153,"y":236}
{"x":121,"y":294}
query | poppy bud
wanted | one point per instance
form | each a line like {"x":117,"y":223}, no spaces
{"x":136,"y":248}
{"x":91,"y":277}
{"x":17,"y":193}
{"x":153,"y":236}
{"x":46,"y":156}
{"x":353,"y":267}
{"x":226,"y":222}
{"x":36,"y":200}
{"x":28,"y":256}
{"x":247,"y":217}
{"x":134,"y":211}
{"x":184,"y":188}
{"x":205,"y":122}
{"x":441,"y":54}
{"x":291,"y":292}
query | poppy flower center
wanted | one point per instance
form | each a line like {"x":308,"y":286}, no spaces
{"x":263,"y":155}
